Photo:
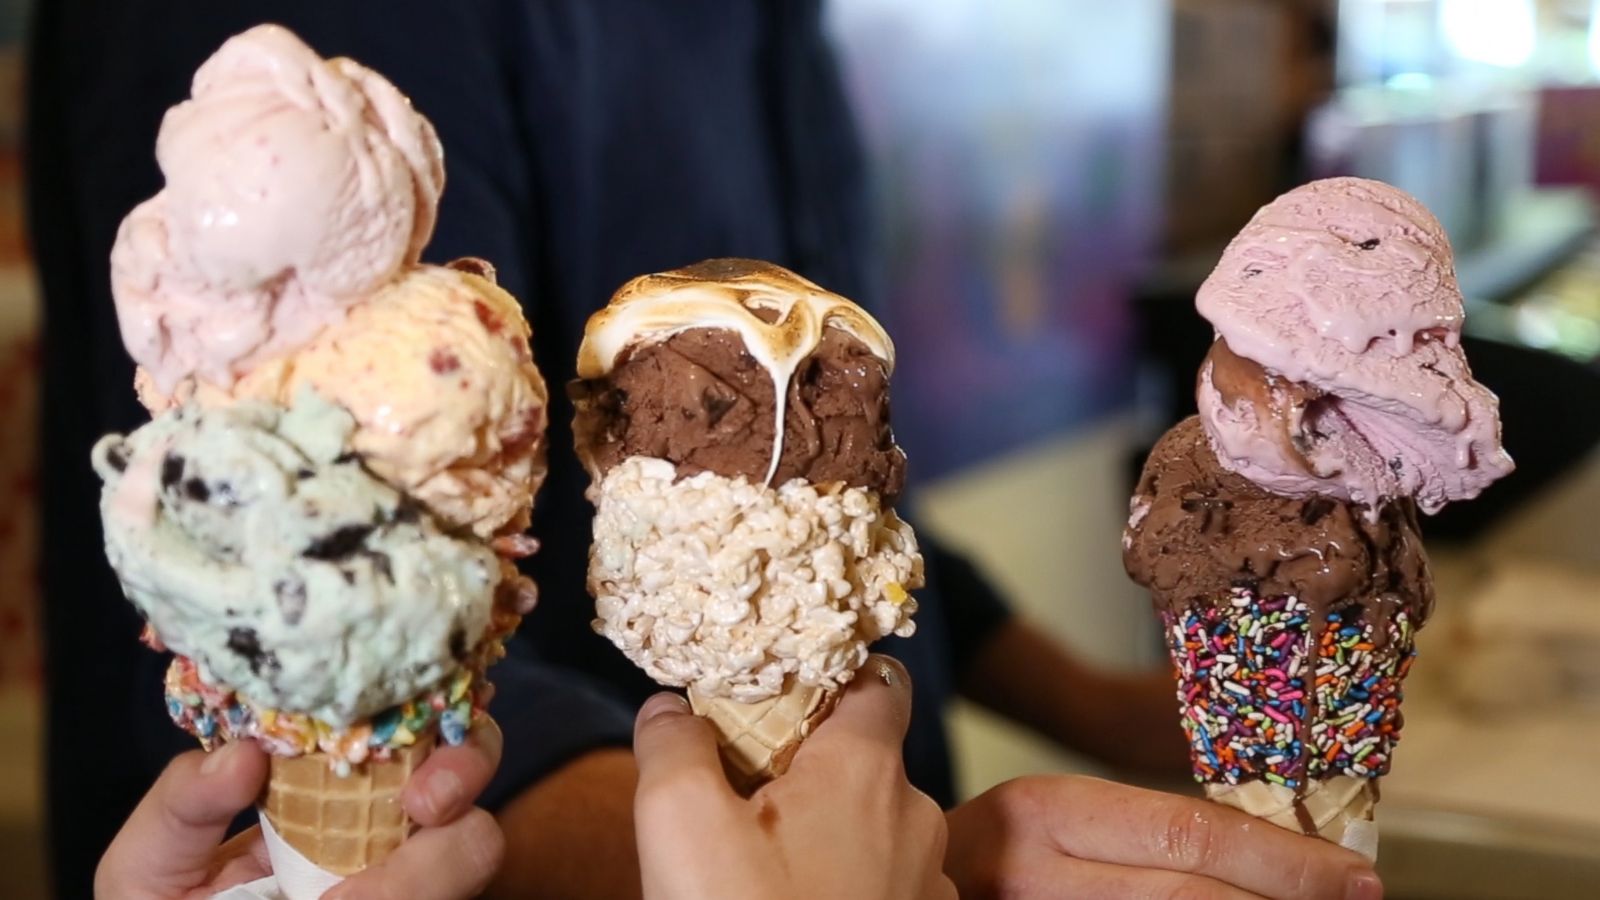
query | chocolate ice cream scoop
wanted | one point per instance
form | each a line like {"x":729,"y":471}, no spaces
{"x":739,"y":368}
{"x":1198,"y":530}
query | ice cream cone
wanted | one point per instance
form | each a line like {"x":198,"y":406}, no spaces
{"x":342,"y":823}
{"x":1278,"y":531}
{"x":759,"y":740}
{"x":1338,"y":809}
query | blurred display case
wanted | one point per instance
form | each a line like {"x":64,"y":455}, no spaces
{"x":1486,"y":110}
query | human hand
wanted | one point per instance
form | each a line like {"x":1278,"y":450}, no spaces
{"x":1072,"y":836}
{"x":168,"y":849}
{"x":842,"y":822}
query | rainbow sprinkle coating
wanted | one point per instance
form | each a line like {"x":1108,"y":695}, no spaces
{"x":216,"y":715}
{"x":1248,"y":709}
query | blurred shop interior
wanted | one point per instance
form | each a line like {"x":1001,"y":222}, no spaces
{"x":1054,"y":180}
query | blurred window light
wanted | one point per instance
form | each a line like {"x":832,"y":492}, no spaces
{"x":1409,"y":81}
{"x":1594,"y":38}
{"x":1495,"y":32}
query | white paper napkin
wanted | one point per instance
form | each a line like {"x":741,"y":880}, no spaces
{"x":293,"y":876}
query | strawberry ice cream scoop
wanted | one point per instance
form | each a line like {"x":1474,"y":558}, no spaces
{"x":294,"y":187}
{"x":1338,"y":367}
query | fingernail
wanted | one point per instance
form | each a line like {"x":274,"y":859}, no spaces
{"x":661,"y":704}
{"x":443,"y":791}
{"x":1363,"y":886}
{"x":215,"y":760}
{"x":888,"y":670}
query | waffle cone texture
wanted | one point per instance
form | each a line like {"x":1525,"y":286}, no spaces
{"x":342,"y":823}
{"x":758,"y":741}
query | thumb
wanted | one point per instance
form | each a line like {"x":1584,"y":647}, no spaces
{"x":167,"y":845}
{"x":675,"y":750}
{"x":876,"y":706}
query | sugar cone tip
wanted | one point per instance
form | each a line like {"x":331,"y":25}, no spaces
{"x":759,"y":740}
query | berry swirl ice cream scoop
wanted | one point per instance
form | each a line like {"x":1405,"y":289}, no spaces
{"x":1338,"y":367}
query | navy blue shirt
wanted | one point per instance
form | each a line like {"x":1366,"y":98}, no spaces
{"x":586,"y":141}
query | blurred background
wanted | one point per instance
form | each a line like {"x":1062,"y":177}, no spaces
{"x":1054,"y":180}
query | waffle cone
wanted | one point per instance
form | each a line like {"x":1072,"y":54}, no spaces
{"x":759,"y":740}
{"x":1338,"y":809}
{"x":342,"y":823}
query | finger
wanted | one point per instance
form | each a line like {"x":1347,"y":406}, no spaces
{"x":940,"y":888}
{"x":241,"y":860}
{"x":926,"y":830}
{"x":169,"y":841}
{"x":447,"y":783}
{"x":676,"y":752}
{"x":876,"y":706}
{"x":1133,"y":827}
{"x":447,"y":863}
{"x":1064,"y":877}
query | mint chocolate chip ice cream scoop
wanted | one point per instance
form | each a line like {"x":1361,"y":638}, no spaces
{"x":256,"y":544}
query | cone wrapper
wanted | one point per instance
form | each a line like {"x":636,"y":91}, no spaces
{"x":759,"y":740}
{"x":293,"y":876}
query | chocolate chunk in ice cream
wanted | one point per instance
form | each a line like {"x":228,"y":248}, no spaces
{"x":1198,"y":530}
{"x":701,"y":401}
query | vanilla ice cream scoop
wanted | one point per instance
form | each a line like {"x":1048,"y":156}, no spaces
{"x":294,"y":186}
{"x":256,"y":544}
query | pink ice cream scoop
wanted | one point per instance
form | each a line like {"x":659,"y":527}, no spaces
{"x":1338,"y":367}
{"x":295,"y":186}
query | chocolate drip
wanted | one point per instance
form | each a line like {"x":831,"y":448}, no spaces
{"x":1308,"y":822}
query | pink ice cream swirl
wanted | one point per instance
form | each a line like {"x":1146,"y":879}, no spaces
{"x":1338,"y":366}
{"x":295,"y":186}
